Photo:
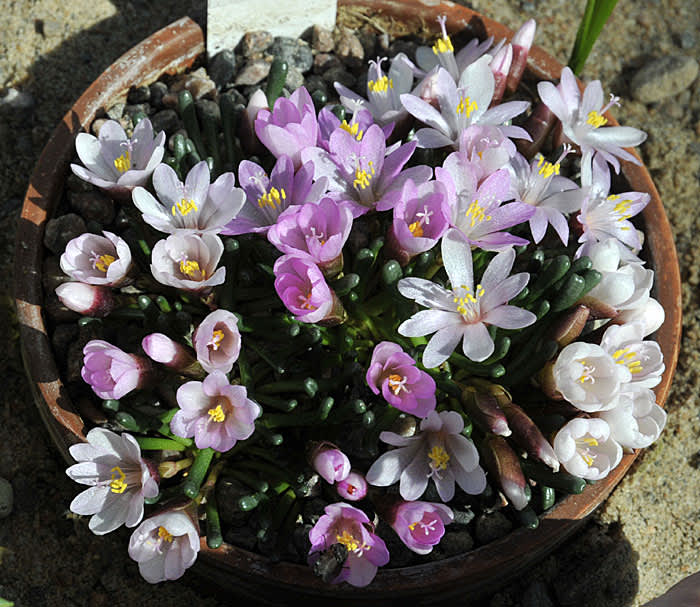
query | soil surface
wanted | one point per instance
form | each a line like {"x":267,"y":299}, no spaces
{"x":646,"y":536}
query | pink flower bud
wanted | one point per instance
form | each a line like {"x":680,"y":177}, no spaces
{"x":522,"y":41}
{"x":168,"y":352}
{"x":500,"y":66}
{"x":89,"y":300}
{"x":353,"y":488}
{"x":330,"y":462}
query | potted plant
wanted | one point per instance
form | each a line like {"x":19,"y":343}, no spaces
{"x":254,"y":573}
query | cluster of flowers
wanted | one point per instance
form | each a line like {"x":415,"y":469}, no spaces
{"x":328,"y":173}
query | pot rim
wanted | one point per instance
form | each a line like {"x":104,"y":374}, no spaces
{"x":172,"y":50}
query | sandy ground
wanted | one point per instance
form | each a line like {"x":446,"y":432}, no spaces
{"x":644,"y":538}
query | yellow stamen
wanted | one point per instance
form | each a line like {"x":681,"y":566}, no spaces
{"x":416,"y":229}
{"x":184,"y":207}
{"x":273,"y":198}
{"x":348,"y":541}
{"x":217,"y":414}
{"x":103,"y":262}
{"x":466,"y":106}
{"x":621,"y":208}
{"x":396,"y":383}
{"x":123,"y":163}
{"x":596,"y":120}
{"x":380,"y":86}
{"x":362,"y":177}
{"x":216,"y":339}
{"x":625,"y":357}
{"x":190,"y":268}
{"x":587,"y":458}
{"x":590,"y":441}
{"x":443,"y":45}
{"x":477,"y":213}
{"x":547,"y":168}
{"x":438,"y":458}
{"x":164,"y":534}
{"x":353,"y":129}
{"x":118,"y":484}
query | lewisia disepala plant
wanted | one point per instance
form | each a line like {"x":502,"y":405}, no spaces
{"x":359,"y":324}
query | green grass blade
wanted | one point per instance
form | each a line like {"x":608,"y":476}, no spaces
{"x":594,"y":18}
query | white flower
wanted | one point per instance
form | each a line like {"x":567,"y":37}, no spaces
{"x":97,"y":260}
{"x":651,"y":313}
{"x":644,"y":359}
{"x":188,"y":261}
{"x":463,"y":312}
{"x":637,"y":421}
{"x":588,"y":377}
{"x":586,"y":449}
{"x":164,"y":546}
{"x":119,"y":480}
{"x":438,"y":452}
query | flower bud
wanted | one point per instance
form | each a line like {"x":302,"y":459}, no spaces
{"x":529,"y":437}
{"x":502,"y":463}
{"x":484,"y":410}
{"x":353,"y":487}
{"x":330,"y":462}
{"x":569,"y":327}
{"x":85,"y":299}
{"x":500,"y":66}
{"x":521,"y":42}
{"x":162,"y":349}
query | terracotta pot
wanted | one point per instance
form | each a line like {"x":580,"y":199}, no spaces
{"x":469,"y":575}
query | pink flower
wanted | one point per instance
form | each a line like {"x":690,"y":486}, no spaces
{"x":217,"y":341}
{"x":330,"y":462}
{"x":346,"y":525}
{"x":85,"y":299}
{"x":421,"y":525}
{"x":402,"y":384}
{"x":97,"y":260}
{"x":111,"y":372}
{"x":290,"y":127}
{"x":214,"y":412}
{"x":164,"y":546}
{"x":303,"y":290}
{"x":118,"y":477}
{"x":353,"y":488}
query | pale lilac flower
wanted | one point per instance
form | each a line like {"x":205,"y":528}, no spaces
{"x":303,"y":290}
{"x":605,"y":215}
{"x":267,"y":197}
{"x":214,"y":412}
{"x":188,"y":262}
{"x":330,"y":462}
{"x":217,"y":341}
{"x":361,"y":172}
{"x":442,"y":53}
{"x":421,"y":217}
{"x":86,"y":299}
{"x":540,"y":185}
{"x":484,"y":149}
{"x":118,"y":477}
{"x":318,"y":230}
{"x":290,"y":127}
{"x":461,"y":106}
{"x":115,"y":163}
{"x":111,"y":372}
{"x":383,"y":90}
{"x":164,"y":546}
{"x":438,"y":452}
{"x":168,"y":352}
{"x":637,"y":421}
{"x":586,"y":449}
{"x":402,"y":384}
{"x":249,"y":140}
{"x":624,"y":285}
{"x":361,"y":120}
{"x":479,"y":212}
{"x":192,"y":206}
{"x":644,"y":359}
{"x":353,"y":487}
{"x":464,"y":311}
{"x":346,"y":525}
{"x":589,"y":377}
{"x":97,"y":260}
{"x":421,"y":525}
{"x":583,"y":123}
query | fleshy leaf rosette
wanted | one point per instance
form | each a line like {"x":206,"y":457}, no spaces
{"x":118,"y":477}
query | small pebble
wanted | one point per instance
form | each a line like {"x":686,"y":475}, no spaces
{"x":115,"y":112}
{"x":158,"y":89}
{"x":339,"y":74}
{"x":687,"y":40}
{"x":663,"y":77}
{"x":166,"y":120}
{"x":255,"y":43}
{"x":322,"y":39}
{"x":294,"y":51}
{"x":491,"y":526}
{"x":456,"y":542}
{"x":350,"y":50}
{"x":6,"y":498}
{"x":294,"y":79}
{"x":60,"y":230}
{"x":139,"y":94}
{"x":253,"y":73}
{"x":97,"y":125}
{"x":326,"y":61}
{"x":93,"y":206}
{"x":206,"y":108}
{"x":198,"y":83}
{"x":222,"y":67}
